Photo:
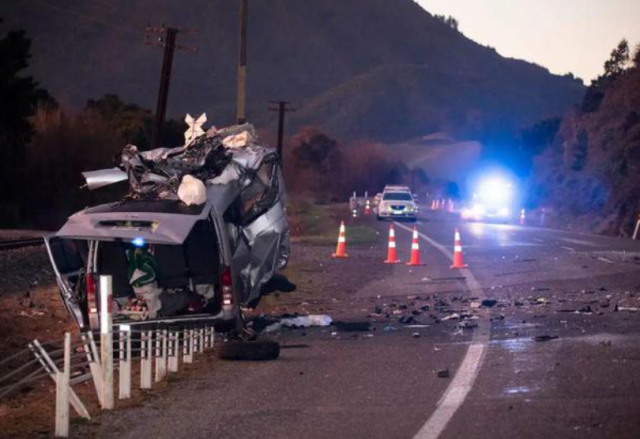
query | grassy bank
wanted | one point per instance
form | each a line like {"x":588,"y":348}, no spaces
{"x":317,"y":224}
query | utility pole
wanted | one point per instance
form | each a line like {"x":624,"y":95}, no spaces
{"x":281,"y":108}
{"x":241,"y":111}
{"x":168,"y":41}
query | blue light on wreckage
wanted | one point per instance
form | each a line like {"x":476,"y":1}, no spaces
{"x":139,"y":241}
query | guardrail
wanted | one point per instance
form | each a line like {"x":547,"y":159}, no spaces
{"x":97,"y":355}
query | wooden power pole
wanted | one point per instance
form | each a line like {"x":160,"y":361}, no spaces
{"x":281,"y":107}
{"x":168,"y":41}
{"x":241,"y":109}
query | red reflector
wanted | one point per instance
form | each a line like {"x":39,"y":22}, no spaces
{"x":225,"y":278}
{"x":91,"y":286}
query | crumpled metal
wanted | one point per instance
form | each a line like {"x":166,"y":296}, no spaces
{"x":261,"y":237}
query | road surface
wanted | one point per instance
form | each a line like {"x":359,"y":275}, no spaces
{"x":385,"y":383}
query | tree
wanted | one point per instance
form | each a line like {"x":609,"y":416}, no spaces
{"x":618,"y":60}
{"x":449,"y":21}
{"x":614,"y":67}
{"x":19,"y":96}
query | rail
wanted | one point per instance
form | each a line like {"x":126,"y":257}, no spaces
{"x":20,"y":243}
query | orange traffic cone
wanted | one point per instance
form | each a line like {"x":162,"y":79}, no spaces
{"x":341,"y":250}
{"x":433,"y":204}
{"x":367,"y":208}
{"x":522,"y":217}
{"x":392,"y":258}
{"x":457,"y":253}
{"x":437,"y":204}
{"x":415,"y":250}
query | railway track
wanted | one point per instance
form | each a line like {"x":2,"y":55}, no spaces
{"x":20,"y":243}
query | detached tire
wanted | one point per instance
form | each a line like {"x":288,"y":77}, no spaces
{"x":258,"y":350}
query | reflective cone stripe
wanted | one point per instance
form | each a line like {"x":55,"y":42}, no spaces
{"x":522,"y":217}
{"x":341,"y":249}
{"x":457,"y":252}
{"x":392,"y":257}
{"x":415,"y":249}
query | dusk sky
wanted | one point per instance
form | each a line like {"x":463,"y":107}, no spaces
{"x":574,"y":36}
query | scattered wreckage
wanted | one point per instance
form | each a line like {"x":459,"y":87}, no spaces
{"x":201,"y":233}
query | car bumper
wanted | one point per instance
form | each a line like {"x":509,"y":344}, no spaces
{"x":406,"y":215}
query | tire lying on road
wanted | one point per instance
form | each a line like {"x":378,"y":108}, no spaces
{"x":240,"y":350}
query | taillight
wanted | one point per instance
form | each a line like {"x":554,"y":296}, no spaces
{"x":91,"y":293}
{"x":226,"y":280}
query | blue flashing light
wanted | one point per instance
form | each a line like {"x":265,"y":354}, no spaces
{"x":139,"y":241}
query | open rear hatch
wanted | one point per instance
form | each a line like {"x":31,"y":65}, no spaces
{"x":164,"y":266}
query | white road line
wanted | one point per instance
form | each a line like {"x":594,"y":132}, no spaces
{"x":579,"y":242}
{"x":569,"y":249}
{"x":608,"y":261}
{"x":465,"y":376}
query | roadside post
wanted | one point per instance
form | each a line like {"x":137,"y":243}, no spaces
{"x":635,"y":232}
{"x":145,"y":359}
{"x":94,"y":362}
{"x":174,"y":344}
{"x":124,"y":358}
{"x":106,"y":341}
{"x":62,"y":391}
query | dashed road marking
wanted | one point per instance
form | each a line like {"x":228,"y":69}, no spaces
{"x":457,"y":391}
{"x":569,"y":249}
{"x":579,"y":242}
{"x":608,"y":261}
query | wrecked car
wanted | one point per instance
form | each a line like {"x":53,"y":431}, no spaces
{"x":200,"y":235}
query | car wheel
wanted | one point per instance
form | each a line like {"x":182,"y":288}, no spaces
{"x":240,"y":350}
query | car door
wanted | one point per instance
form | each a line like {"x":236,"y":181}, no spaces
{"x":68,"y":260}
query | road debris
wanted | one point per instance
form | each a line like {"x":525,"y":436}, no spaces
{"x":444,"y":373}
{"x":489,"y":303}
{"x":545,"y":337}
{"x":300,"y":322}
{"x":353,"y":326}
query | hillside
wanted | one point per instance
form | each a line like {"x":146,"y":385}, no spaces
{"x":395,"y":102}
{"x":590,"y":174}
{"x":374,"y":59}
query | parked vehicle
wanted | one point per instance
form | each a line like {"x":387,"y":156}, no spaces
{"x":397,"y":203}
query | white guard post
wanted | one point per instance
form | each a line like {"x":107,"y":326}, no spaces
{"x":161,"y":354}
{"x":146,"y":348}
{"x":94,"y":362}
{"x":124,"y":358}
{"x":62,"y":391}
{"x":174,"y":344}
{"x":106,"y":341}
{"x":187,"y":342}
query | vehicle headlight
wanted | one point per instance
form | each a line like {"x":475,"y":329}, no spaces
{"x":478,"y":210}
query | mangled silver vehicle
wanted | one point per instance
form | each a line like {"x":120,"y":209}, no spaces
{"x":200,"y":235}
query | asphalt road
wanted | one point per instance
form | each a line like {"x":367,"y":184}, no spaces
{"x":384,"y":383}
